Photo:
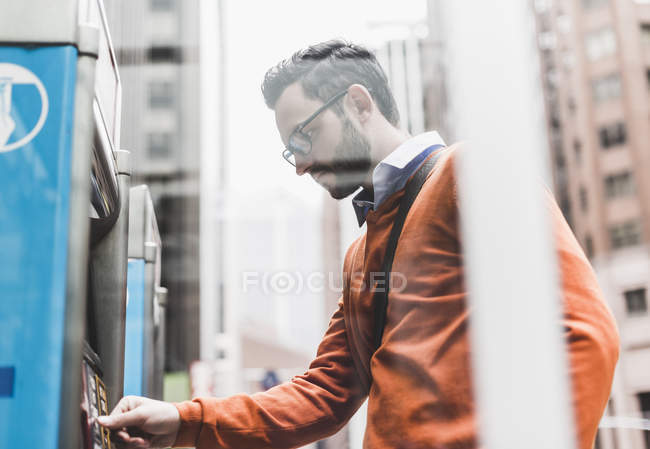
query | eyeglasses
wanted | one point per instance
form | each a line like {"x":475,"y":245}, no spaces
{"x":300,"y":142}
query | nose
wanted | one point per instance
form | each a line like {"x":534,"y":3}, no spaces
{"x":302,"y":164}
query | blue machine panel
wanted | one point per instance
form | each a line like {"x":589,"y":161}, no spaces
{"x":36,"y":121}
{"x":134,"y":343}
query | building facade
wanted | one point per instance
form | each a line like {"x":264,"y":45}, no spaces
{"x":595,"y":59}
{"x":156,"y":44}
{"x":242,"y":313}
{"x":435,"y":72}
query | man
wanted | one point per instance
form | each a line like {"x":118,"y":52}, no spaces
{"x":339,"y":123}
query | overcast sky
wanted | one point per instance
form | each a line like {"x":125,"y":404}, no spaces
{"x":259,"y":37}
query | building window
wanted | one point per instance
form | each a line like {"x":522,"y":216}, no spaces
{"x":607,"y":88}
{"x":612,"y":135}
{"x":645,"y":34}
{"x":625,"y":234}
{"x":647,"y":75}
{"x":591,"y":4}
{"x":589,"y":246}
{"x":577,"y":151}
{"x":571,"y":104}
{"x":547,"y":40}
{"x":162,"y":5}
{"x":619,"y":184}
{"x":600,"y":43}
{"x":563,"y":23}
{"x":584,"y":203}
{"x":568,"y":59}
{"x":644,"y":405}
{"x":164,"y":54}
{"x":636,"y":302}
{"x":161,"y":95}
{"x":597,"y":444}
{"x":542,"y":6}
{"x":565,"y":207}
{"x":159,"y":145}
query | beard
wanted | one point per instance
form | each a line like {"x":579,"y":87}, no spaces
{"x":350,"y":164}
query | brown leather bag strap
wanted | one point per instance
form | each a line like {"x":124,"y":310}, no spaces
{"x":381,"y":293}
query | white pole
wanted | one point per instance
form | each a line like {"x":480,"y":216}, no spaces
{"x":414,"y":82}
{"x":211,"y":127}
{"x":398,"y":80}
{"x":519,"y":356}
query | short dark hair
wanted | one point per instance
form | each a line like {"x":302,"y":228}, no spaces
{"x":325,"y":69}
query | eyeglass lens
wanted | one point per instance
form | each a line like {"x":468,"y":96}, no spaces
{"x":289,"y":157}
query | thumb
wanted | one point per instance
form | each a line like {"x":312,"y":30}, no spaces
{"x":117,"y":421}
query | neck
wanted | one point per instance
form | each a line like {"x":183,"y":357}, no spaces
{"x":382,"y":144}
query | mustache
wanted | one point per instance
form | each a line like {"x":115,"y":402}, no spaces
{"x":348,"y":165}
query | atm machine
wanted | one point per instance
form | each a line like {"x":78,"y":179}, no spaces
{"x":64,"y":212}
{"x":145,"y":313}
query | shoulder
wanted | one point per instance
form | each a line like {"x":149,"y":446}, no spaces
{"x":448,"y":158}
{"x":441,"y":181}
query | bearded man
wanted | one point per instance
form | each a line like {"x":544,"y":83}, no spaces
{"x":409,"y":353}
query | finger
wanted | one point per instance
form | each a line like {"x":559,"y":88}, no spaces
{"x":116,"y":421}
{"x":122,"y":435}
{"x":127,"y":403}
{"x":139,"y":443}
{"x":130,"y":446}
{"x":118,"y":443}
{"x":137,"y":432}
{"x":129,"y":442}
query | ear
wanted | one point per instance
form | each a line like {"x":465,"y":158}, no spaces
{"x":359,"y":102}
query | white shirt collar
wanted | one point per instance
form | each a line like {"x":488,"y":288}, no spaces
{"x":405,"y":153}
{"x":390,"y":174}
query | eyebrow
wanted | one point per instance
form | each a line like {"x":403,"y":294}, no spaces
{"x":323,"y":107}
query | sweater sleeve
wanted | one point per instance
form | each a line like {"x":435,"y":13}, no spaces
{"x":305,"y":409}
{"x":590,"y":331}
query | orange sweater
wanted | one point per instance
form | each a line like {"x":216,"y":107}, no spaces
{"x":419,"y":381}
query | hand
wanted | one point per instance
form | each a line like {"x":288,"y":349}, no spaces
{"x":143,"y":423}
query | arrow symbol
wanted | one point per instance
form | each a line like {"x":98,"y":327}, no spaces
{"x":7,"y":124}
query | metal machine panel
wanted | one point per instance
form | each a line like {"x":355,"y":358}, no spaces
{"x":143,"y":227}
{"x":48,"y":21}
{"x":135,"y":317}
{"x":37,"y":87}
{"x":144,"y":244}
{"x":108,"y":88}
